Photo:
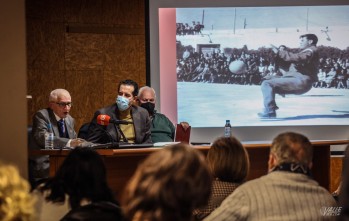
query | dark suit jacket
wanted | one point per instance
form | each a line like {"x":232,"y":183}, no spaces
{"x":40,"y":121}
{"x":106,"y":134}
{"x":39,"y":166}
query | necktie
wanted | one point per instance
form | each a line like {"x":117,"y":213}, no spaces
{"x":61,"y":127}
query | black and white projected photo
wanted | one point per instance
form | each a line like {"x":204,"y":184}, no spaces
{"x":225,"y":54}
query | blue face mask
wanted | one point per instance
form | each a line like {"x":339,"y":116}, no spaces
{"x":122,"y":102}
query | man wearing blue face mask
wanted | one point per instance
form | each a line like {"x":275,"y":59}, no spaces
{"x":136,"y":132}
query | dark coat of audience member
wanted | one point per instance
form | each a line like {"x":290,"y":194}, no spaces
{"x":82,"y":182}
{"x":168,"y":185}
{"x":105,"y":211}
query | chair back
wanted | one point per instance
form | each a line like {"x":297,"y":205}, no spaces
{"x":182,"y":135}
{"x":83,"y":131}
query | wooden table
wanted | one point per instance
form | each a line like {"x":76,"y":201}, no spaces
{"x":122,"y":163}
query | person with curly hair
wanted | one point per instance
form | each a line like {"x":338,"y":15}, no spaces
{"x":16,"y":202}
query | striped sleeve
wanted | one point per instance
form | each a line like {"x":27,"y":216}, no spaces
{"x":234,"y":207}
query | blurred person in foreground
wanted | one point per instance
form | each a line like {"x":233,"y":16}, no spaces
{"x":16,"y":203}
{"x":228,"y":163}
{"x":162,"y":129}
{"x":168,"y":185}
{"x":79,"y":184}
{"x":287,"y":192}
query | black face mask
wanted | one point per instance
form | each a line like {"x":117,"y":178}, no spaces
{"x":149,"y":107}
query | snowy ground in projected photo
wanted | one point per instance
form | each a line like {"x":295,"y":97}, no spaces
{"x":209,"y":105}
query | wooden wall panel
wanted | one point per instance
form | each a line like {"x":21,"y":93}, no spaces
{"x":86,"y":97}
{"x":86,"y":12}
{"x":40,"y":83}
{"x":85,"y":51}
{"x":45,"y":45}
{"x":111,"y":82}
{"x":90,"y":61}
{"x":125,"y":13}
{"x":336,"y":172}
{"x":142,"y":61}
{"x":111,"y":12}
{"x":123,"y":53}
{"x":47,"y":10}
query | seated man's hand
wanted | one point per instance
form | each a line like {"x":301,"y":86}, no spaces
{"x":77,"y":142}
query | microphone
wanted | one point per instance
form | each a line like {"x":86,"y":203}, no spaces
{"x":111,"y":140}
{"x":104,"y":120}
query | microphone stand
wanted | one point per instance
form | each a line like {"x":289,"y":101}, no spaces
{"x":104,"y":130}
{"x":120,"y":133}
{"x":111,"y":139}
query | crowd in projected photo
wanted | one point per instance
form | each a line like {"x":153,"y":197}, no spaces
{"x":255,"y":67}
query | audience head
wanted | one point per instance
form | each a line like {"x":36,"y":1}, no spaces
{"x":290,"y":147}
{"x":16,"y":203}
{"x":147,"y":99}
{"x":127,"y":94}
{"x":168,"y":185}
{"x":228,"y":160}
{"x":60,"y":102}
{"x":82,"y":176}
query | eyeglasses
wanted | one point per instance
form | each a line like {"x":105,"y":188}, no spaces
{"x":63,"y":104}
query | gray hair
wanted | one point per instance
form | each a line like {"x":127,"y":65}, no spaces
{"x":146,"y":88}
{"x":290,"y":147}
{"x":55,"y":94}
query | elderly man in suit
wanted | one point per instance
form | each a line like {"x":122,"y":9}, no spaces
{"x":57,"y":114}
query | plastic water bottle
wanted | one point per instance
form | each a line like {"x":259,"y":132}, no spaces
{"x":49,"y":137}
{"x":227,"y":129}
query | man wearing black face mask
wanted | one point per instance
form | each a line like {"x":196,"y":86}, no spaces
{"x":162,"y":129}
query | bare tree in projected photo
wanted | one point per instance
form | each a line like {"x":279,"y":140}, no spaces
{"x":230,"y":49}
